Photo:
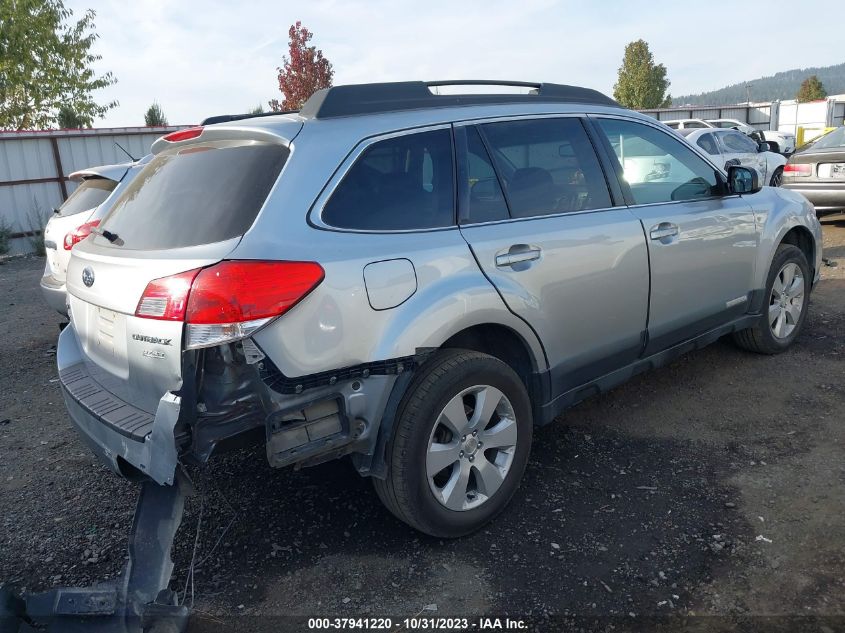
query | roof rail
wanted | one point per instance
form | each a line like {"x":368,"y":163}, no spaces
{"x":224,"y":118}
{"x":356,"y":99}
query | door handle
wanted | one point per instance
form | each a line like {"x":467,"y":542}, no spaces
{"x":517,"y":254}
{"x":664,"y":229}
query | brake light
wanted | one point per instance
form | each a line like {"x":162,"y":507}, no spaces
{"x":79,"y":234}
{"x":230,"y":300}
{"x":798,"y":169}
{"x":167,"y":298}
{"x":183,"y":135}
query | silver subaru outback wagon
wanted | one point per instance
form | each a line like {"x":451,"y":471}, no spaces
{"x":414,"y":280}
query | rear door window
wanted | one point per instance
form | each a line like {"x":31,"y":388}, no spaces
{"x":401,"y":183}
{"x":547,"y":166}
{"x":198,"y":194}
{"x":708,"y":144}
{"x":90,"y":193}
{"x":486,"y":201}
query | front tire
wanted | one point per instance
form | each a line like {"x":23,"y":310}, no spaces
{"x":777,"y":178}
{"x":785,"y":310}
{"x":461,"y":443}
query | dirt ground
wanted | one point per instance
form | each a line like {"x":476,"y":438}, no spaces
{"x":714,"y":486}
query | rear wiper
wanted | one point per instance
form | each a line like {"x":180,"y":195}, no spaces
{"x":111,"y":237}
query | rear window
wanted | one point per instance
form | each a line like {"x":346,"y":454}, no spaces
{"x":834,"y":139}
{"x":90,"y":193}
{"x":195,"y":195}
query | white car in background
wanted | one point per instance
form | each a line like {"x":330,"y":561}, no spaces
{"x":781,"y":142}
{"x":72,"y":222}
{"x":732,"y":147}
{"x":686,"y":124}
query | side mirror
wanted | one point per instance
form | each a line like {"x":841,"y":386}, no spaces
{"x":763,"y":146}
{"x":743,"y":180}
{"x":730,"y":163}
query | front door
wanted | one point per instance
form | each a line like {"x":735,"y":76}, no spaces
{"x":702,"y":243}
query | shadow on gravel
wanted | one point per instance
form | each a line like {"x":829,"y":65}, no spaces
{"x":602,"y":525}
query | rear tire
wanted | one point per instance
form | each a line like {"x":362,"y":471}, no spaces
{"x":460,"y":447}
{"x":787,"y":296}
{"x":777,"y":178}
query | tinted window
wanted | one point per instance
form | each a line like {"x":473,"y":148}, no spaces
{"x":548,"y":166}
{"x":694,"y":125}
{"x":486,"y":200}
{"x":195,"y":195}
{"x":657,"y":166}
{"x":708,"y":144}
{"x":834,"y":139}
{"x":90,"y":193}
{"x":736,"y":142}
{"x":674,"y":125}
{"x":400,"y":183}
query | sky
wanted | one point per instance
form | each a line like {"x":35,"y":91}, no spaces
{"x":199,"y":58}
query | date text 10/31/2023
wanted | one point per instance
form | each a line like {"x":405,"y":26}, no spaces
{"x":418,"y":624}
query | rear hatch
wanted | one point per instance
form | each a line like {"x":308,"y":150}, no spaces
{"x":186,"y":210}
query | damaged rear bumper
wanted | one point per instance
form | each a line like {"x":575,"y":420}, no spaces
{"x":130,"y":441}
{"x":328,"y":419}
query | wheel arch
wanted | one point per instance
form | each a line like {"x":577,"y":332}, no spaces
{"x":801,"y":237}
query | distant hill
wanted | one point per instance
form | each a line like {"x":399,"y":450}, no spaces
{"x":782,"y":85}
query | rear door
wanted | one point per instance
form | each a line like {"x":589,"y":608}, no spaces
{"x":187,"y":209}
{"x":536,"y":211}
{"x":702,"y":242}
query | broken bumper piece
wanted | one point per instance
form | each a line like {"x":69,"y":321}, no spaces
{"x":142,"y":601}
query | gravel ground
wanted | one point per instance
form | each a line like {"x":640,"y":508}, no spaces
{"x":713,"y":486}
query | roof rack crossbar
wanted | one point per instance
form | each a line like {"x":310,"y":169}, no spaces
{"x":357,"y":99}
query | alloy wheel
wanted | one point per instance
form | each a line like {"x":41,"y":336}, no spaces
{"x":471,"y":447}
{"x":786,"y":301}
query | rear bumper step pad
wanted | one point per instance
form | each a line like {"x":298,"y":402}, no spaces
{"x":106,"y":407}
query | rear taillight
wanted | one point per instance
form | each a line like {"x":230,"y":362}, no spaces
{"x":798,"y":169}
{"x":183,"y":135}
{"x":230,"y":300}
{"x":79,"y":234}
{"x":166,"y":299}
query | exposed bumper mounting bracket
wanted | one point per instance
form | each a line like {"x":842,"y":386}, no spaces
{"x":140,"y":601}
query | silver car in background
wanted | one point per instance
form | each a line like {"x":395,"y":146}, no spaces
{"x":414,"y":280}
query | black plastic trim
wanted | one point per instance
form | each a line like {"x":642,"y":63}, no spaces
{"x":357,"y":99}
{"x":278,"y":382}
{"x":113,"y":412}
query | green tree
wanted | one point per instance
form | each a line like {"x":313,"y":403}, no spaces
{"x":68,"y":119}
{"x":811,"y":90}
{"x":46,"y":62}
{"x":259,"y":109}
{"x":154,"y":116}
{"x":641,"y":84}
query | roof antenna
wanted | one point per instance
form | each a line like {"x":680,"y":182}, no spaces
{"x":134,"y":160}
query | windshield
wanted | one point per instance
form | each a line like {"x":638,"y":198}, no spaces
{"x":833,"y":139}
{"x":90,"y":194}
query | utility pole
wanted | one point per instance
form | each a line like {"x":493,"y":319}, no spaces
{"x":748,"y":93}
